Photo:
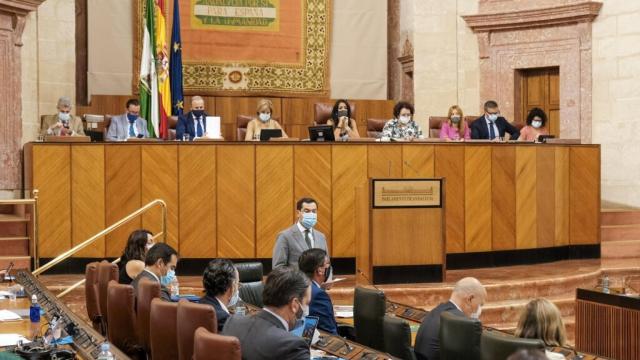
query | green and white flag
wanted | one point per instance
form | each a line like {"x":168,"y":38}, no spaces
{"x":148,"y":77}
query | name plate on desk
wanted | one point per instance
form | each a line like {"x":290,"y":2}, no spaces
{"x":406,"y":193}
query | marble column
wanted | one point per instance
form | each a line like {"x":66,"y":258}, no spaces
{"x":12,"y":20}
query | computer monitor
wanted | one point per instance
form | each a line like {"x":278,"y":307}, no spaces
{"x":321,"y":133}
{"x":266,"y":134}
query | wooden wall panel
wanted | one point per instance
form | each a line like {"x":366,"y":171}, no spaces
{"x":52,"y":177}
{"x":545,"y":196}
{"x":349,"y":170}
{"x":197,"y":194}
{"x":298,"y":115}
{"x":274,"y":200}
{"x":160,"y":181}
{"x":372,"y":109}
{"x":384,"y":161}
{"x":411,"y":244}
{"x":449,"y":164}
{"x":122,"y":193}
{"x":526,"y":198}
{"x":236,"y":201}
{"x":418,"y":161}
{"x":503,"y":201}
{"x":562,"y":191}
{"x":478,"y":198}
{"x":87,"y":201}
{"x":312,"y":178}
{"x":584,"y":201}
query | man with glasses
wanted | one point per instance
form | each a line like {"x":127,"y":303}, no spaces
{"x":492,"y":126}
{"x":160,"y":266}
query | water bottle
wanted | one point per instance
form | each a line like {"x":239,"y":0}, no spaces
{"x":105,"y":354}
{"x":605,"y":284}
{"x":34,"y":309}
{"x":174,"y":287}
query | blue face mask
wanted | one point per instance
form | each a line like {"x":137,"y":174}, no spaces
{"x":309,"y":219}
{"x":132,"y":117}
{"x":167,"y":279}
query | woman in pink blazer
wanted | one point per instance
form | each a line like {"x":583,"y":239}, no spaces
{"x":455,"y":128}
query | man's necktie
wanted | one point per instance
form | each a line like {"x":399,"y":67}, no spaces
{"x":199,"y":131}
{"x":492,"y":133}
{"x":307,"y":238}
{"x":132,"y":132}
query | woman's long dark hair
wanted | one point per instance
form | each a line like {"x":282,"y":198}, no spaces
{"x":334,"y":111}
{"x":137,"y":245}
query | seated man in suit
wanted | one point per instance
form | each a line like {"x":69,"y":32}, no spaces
{"x":160,"y":266}
{"x":316,"y":265}
{"x":62,"y":123}
{"x":299,"y":237}
{"x":221,"y":284}
{"x":492,"y":126}
{"x":194,"y":123}
{"x":129,"y":124}
{"x":467,"y":299}
{"x":265,"y":335}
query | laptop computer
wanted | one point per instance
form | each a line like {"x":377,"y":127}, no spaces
{"x":307,"y":330}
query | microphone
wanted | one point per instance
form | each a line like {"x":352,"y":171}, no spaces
{"x":411,"y":167}
{"x":348,"y":348}
{"x":393,"y":305}
{"x":7,"y":274}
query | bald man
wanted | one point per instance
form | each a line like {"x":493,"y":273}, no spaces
{"x":194,"y":123}
{"x":467,"y":299}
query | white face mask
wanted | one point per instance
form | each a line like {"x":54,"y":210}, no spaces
{"x":264,"y":117}
{"x":492,"y":117}
{"x":404,"y":119}
{"x":63,"y":116}
{"x":536,"y":124}
{"x":476,"y":314}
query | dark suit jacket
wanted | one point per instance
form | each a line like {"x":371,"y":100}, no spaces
{"x":428,"y":338}
{"x":322,"y":307}
{"x":185,"y":125}
{"x":263,"y":337}
{"x":221,"y":315}
{"x":479,"y":129}
{"x":164,"y":292}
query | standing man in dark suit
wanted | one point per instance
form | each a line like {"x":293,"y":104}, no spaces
{"x":316,"y":265}
{"x":266,"y":335}
{"x":467,"y":299}
{"x":193,"y":123}
{"x":221,"y":285}
{"x":160,"y":266}
{"x":299,"y":237}
{"x":492,"y":126}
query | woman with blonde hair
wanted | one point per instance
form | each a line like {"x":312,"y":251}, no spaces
{"x":264,"y":110}
{"x":541,"y":319}
{"x":455,"y":128}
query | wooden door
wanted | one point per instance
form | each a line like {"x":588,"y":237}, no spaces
{"x":541,"y":88}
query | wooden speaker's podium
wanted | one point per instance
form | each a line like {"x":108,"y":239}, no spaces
{"x":400,"y":235}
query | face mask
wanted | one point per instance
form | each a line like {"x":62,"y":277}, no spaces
{"x":149,"y":246}
{"x":492,"y":117}
{"x":63,"y":116}
{"x":536,"y":124}
{"x":476,"y":314}
{"x":197,"y":113}
{"x":327,"y":273}
{"x":131,"y":117}
{"x":167,"y":279}
{"x":309,"y":219}
{"x":404,"y":119}
{"x":302,"y":312}
{"x":455,"y":119}
{"x":235,"y":297}
{"x":264,"y":117}
{"x":342,"y":113}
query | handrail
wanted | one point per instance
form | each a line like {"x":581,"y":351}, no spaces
{"x":79,"y":283}
{"x":65,"y":255}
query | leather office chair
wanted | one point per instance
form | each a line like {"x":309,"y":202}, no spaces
{"x":206,"y":343}
{"x":106,"y":272}
{"x":122,"y":319}
{"x":496,"y":346}
{"x":91,"y":296}
{"x":322,"y":112}
{"x":105,"y":124}
{"x":190,"y":317}
{"x":147,"y":291}
{"x":241,"y":126}
{"x":459,"y":337}
{"x":397,"y":338}
{"x":173,"y":123}
{"x":251,"y":285}
{"x":374,"y":127}
{"x":163,"y":325}
{"x":369,"y":307}
{"x":435,"y":124}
